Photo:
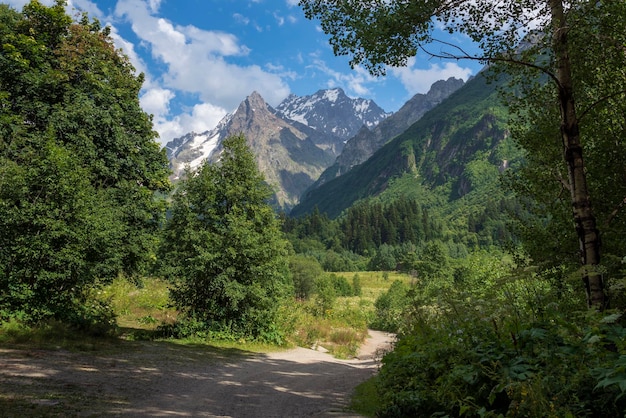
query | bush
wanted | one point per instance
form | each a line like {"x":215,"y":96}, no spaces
{"x":519,"y":351}
{"x":341,"y":285}
{"x":356,"y":285}
{"x":304,"y":270}
{"x":390,"y":308}
{"x":325,"y":297}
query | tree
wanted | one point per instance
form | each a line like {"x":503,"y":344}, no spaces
{"x":56,"y":235}
{"x":377,"y":34}
{"x":80,"y":164}
{"x":223,"y":248}
{"x":305,"y":271}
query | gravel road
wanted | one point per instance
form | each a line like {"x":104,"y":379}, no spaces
{"x":160,"y":379}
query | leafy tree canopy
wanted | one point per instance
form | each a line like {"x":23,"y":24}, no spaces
{"x":80,"y":165}
{"x":577,"y":45}
{"x":224,"y":250}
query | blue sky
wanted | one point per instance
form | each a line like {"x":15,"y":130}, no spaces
{"x":201,"y":58}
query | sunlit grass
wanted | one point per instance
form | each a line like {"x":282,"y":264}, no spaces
{"x":342,"y":329}
{"x":142,"y":306}
{"x":374,"y":283}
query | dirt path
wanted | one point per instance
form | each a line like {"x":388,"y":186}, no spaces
{"x":160,"y":379}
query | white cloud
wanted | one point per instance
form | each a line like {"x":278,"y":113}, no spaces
{"x":292,"y":3}
{"x":419,"y":80}
{"x":129,"y":50}
{"x":199,"y":62}
{"x":154,"y":5}
{"x":281,"y":71}
{"x":279,"y":19}
{"x":241,"y":18}
{"x":202,"y":117}
{"x":156,"y":101}
{"x":354,"y":82}
{"x":86,"y":6}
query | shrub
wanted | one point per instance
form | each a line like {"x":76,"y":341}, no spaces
{"x":325,"y":297}
{"x":505,"y":354}
{"x":356,"y":285}
{"x":390,"y":308}
{"x":304,"y":270}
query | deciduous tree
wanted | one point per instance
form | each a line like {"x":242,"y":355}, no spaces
{"x":223,"y":248}
{"x":80,"y":164}
{"x":381,"y":33}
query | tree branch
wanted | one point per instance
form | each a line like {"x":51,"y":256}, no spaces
{"x":614,"y":213}
{"x":493,"y":59}
{"x":596,"y":103}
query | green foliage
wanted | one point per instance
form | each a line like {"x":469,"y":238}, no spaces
{"x":365,"y":399}
{"x":52,"y":335}
{"x":384,"y":259}
{"x":79,"y":166}
{"x":139,"y":306}
{"x":390,"y":308}
{"x":55,"y":230}
{"x":341,"y":285}
{"x":223,"y":249}
{"x":503,"y":343}
{"x":326,"y":295}
{"x":469,"y":127}
{"x":356,"y":285}
{"x":543,"y":182}
{"x":304,"y":271}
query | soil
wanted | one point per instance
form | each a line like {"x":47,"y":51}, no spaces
{"x":162,"y":379}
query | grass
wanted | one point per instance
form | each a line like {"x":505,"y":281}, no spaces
{"x":52,"y":335}
{"x":140,"y":306}
{"x":374,"y":283}
{"x":342,"y":329}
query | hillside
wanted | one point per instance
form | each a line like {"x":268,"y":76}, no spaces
{"x":455,"y":145}
{"x":369,"y":139}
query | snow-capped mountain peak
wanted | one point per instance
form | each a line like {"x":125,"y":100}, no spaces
{"x":332,"y":112}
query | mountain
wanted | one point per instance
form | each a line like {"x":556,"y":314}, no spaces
{"x":287,"y":156}
{"x":293,"y":143}
{"x":333,"y":113}
{"x":452,"y":147}
{"x":370,"y":138}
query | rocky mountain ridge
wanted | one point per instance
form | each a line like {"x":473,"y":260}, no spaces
{"x":332,"y":112}
{"x":305,"y":141}
{"x":368,"y":140}
{"x":291,"y":153}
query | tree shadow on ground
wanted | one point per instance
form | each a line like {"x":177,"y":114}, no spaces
{"x":162,"y":378}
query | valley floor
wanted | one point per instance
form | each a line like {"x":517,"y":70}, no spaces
{"x":162,"y":379}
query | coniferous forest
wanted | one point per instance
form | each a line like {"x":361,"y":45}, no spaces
{"x":488,"y":236}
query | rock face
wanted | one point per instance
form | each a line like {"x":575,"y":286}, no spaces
{"x":332,"y":113}
{"x":293,"y":144}
{"x":368,"y":140}
{"x":286,"y":155}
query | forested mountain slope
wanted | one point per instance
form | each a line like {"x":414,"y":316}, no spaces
{"x":369,"y":138}
{"x":456,"y":145}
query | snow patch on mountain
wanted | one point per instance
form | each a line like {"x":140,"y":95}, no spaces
{"x":332,"y":95}
{"x":332,"y":112}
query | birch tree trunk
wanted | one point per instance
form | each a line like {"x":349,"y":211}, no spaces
{"x":584,"y":219}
